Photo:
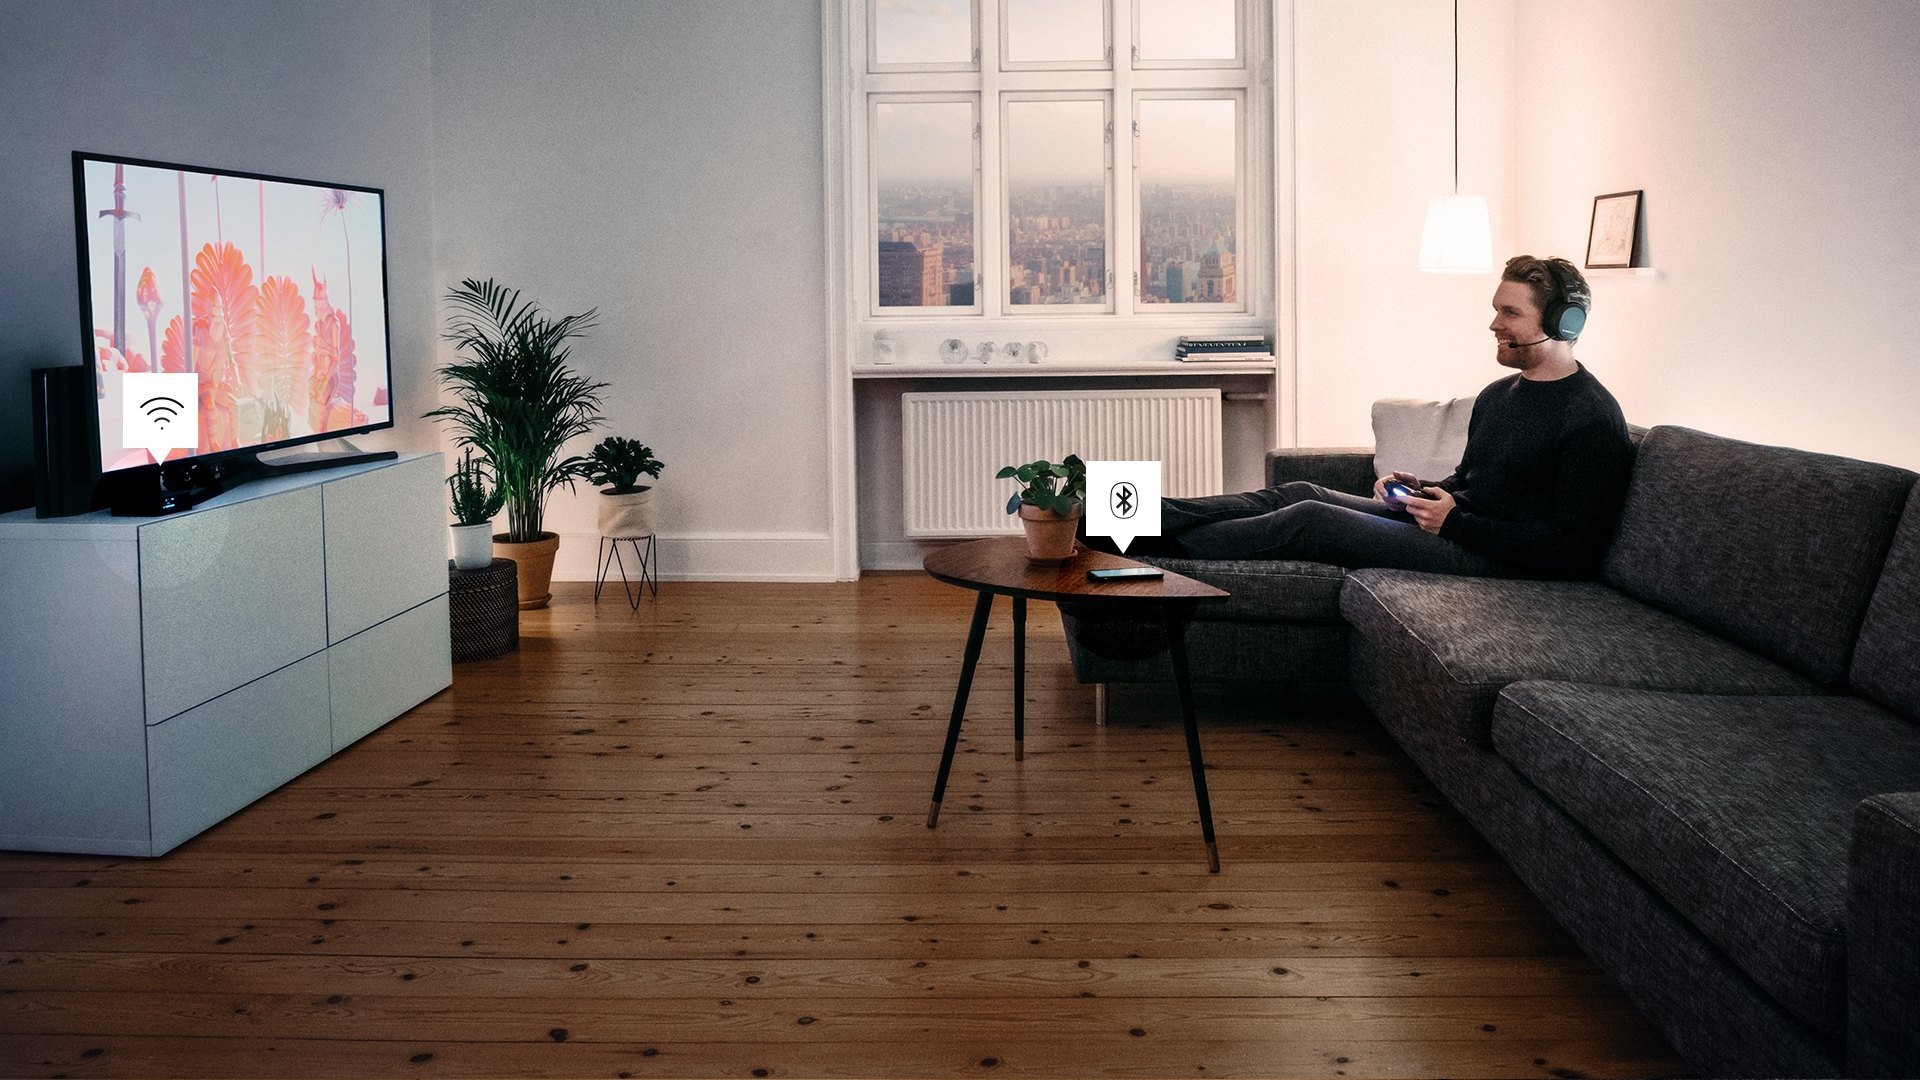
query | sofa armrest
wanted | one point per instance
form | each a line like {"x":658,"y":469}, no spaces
{"x":1883,"y":937}
{"x":1337,"y":468}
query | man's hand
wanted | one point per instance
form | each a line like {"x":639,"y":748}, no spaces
{"x":1406,"y":478}
{"x":1431,"y":510}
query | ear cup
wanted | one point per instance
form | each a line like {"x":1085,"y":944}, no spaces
{"x":1567,"y":322}
{"x":1564,"y":316}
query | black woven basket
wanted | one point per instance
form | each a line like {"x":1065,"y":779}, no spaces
{"x":484,"y":606}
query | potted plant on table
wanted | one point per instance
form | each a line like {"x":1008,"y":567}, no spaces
{"x":626,"y":505}
{"x":1050,"y":501}
{"x":518,"y":403}
{"x":476,"y":501}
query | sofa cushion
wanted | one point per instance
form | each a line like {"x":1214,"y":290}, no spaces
{"x":1886,"y":658}
{"x":1425,"y":438}
{"x":1275,"y":590}
{"x":1297,"y":604}
{"x":1738,"y":810}
{"x":1469,"y":637}
{"x":1792,"y":585}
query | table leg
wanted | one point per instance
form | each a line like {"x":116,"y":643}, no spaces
{"x":1177,"y":645}
{"x":975,"y":635}
{"x":1019,"y":678}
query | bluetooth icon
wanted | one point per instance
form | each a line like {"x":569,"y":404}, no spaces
{"x":1132,"y":505}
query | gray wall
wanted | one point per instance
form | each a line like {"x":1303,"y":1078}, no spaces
{"x":332,"y":91}
{"x":661,"y":162}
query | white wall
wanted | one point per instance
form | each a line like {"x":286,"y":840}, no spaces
{"x":334,"y":91}
{"x":661,"y":162}
{"x":1775,"y":140}
{"x":1373,"y":143}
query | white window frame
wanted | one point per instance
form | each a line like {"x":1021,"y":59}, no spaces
{"x":1108,"y":209}
{"x":853,"y":213}
{"x":1242,"y":33}
{"x":870,"y":17}
{"x":1102,"y":64}
{"x":1241,"y":242}
{"x":874,"y":101}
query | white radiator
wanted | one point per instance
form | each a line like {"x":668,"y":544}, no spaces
{"x":954,"y":443}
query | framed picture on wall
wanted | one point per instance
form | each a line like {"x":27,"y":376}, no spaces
{"x":1613,"y":238}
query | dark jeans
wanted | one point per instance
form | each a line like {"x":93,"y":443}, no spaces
{"x":1307,"y":522}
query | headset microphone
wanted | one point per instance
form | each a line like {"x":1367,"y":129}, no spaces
{"x":1528,"y":344}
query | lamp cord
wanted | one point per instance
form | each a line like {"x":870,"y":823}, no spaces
{"x":1456,"y":97}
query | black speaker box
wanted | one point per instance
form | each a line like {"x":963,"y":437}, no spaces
{"x":64,"y":443}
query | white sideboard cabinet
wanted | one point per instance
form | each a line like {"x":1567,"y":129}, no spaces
{"x":158,"y":674}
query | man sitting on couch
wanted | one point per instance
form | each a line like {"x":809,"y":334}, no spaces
{"x":1536,"y":492}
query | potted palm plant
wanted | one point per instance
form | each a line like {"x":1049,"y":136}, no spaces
{"x":476,"y":502}
{"x":626,"y":505}
{"x":1051,"y":498}
{"x":518,"y":403}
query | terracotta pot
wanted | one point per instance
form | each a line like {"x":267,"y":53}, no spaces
{"x":1049,"y":536}
{"x":473,"y":546}
{"x":625,"y":517}
{"x":534,"y":562}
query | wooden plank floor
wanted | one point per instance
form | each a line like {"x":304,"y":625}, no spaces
{"x":691,"y":841}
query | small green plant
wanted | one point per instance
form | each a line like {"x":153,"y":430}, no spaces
{"x":1060,"y":487}
{"x":476,"y":498}
{"x":620,"y":462}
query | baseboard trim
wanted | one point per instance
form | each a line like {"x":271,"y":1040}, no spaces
{"x":899,"y":554}
{"x":713,"y":557}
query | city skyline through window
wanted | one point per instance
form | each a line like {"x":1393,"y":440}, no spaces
{"x":1186,"y":158}
{"x":1056,"y":166}
{"x":923,"y":182}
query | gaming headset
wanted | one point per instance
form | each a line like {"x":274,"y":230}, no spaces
{"x":1566,"y":313}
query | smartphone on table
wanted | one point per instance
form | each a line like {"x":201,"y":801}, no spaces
{"x":1125,"y":573}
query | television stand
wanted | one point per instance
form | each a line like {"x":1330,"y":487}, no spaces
{"x":158,"y":675}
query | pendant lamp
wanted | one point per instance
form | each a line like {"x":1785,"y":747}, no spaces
{"x":1457,"y":238}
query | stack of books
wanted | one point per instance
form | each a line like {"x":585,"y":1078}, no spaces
{"x":1223,"y":348}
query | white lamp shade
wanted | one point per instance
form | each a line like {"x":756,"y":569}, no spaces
{"x":1457,"y":239}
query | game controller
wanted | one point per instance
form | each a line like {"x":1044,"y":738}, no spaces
{"x":1396,"y":491}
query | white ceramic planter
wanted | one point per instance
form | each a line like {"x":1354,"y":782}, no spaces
{"x":473,"y":546}
{"x":627,"y":516}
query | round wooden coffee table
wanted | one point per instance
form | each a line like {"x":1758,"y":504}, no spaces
{"x":998,"y":566}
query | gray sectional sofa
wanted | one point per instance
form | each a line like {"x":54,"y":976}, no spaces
{"x":1706,"y":764}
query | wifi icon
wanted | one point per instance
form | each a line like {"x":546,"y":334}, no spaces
{"x":161,"y":410}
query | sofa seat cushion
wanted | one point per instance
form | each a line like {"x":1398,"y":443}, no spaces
{"x":1465,"y":638}
{"x":1737,"y":809}
{"x":1265,"y":590}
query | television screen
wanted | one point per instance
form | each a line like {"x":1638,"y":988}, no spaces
{"x":264,"y":299}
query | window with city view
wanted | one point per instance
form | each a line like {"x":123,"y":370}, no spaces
{"x":924,"y":183}
{"x":1056,"y":169}
{"x":1028,"y":157}
{"x":1186,"y":160}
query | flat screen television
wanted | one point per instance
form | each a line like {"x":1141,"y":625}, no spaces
{"x":270,"y":292}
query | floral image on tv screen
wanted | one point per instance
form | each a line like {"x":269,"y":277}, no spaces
{"x":272,"y":292}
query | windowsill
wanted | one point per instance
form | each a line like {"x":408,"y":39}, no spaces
{"x":1196,"y":369}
